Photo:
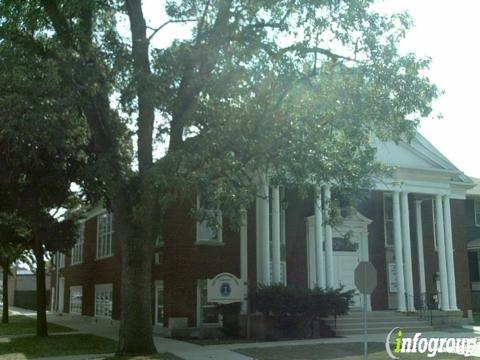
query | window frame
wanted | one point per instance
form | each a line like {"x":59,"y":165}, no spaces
{"x":104,"y":288}
{"x":72,"y":290}
{"x":434,"y":225}
{"x":201,"y":287}
{"x":159,"y":284}
{"x":61,"y":261}
{"x":104,"y":241}
{"x":385,"y":220}
{"x":77,"y":251}
{"x":219,"y":239}
{"x":476,"y":211}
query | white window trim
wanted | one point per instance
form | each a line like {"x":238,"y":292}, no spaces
{"x":61,"y":260}
{"x":214,"y":242}
{"x":159,"y":284}
{"x":110,"y":232}
{"x":72,"y":290}
{"x":200,"y":307}
{"x":385,"y":196}
{"x":102,"y":287}
{"x":476,"y":209}
{"x":78,"y":247}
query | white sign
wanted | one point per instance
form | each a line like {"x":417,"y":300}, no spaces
{"x":392,"y":277}
{"x":225,"y":288}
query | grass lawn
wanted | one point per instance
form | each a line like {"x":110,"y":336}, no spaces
{"x":56,"y":345}
{"x":23,"y":325}
{"x":344,"y":351}
{"x":476,"y":318}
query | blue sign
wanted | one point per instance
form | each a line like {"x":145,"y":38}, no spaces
{"x":225,"y":289}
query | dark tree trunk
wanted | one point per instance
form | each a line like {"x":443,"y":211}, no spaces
{"x":41,"y":293}
{"x":136,"y":329}
{"x":5,"y":294}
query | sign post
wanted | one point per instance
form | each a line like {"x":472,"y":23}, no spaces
{"x":366,"y":282}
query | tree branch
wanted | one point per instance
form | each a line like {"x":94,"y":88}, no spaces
{"x":156,"y":30}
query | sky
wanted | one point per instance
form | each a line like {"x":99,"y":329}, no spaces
{"x":448,"y":32}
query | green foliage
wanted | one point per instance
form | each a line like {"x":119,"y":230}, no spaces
{"x":281,"y":300}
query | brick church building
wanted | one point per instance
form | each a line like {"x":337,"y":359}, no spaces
{"x":411,"y":226}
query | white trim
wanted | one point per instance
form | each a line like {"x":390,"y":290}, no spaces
{"x":104,"y":241}
{"x":209,"y":241}
{"x":75,"y":290}
{"x":106,"y":289}
{"x":476,"y":209}
{"x":159,"y":284}
{"x":201,"y":283}
{"x":387,"y":245}
{"x":77,"y":252}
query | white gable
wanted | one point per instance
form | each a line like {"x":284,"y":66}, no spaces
{"x":402,"y":155}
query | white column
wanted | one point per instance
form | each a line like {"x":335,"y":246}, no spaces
{"x":447,"y":219}
{"x":328,"y":239}
{"x":421,"y":258}
{"x":407,"y":251}
{"x":258,"y":237}
{"x":397,"y":235}
{"x":276,"y":235}
{"x":442,"y":261}
{"x":244,"y":256}
{"x":265,"y":231}
{"x":320,"y":259}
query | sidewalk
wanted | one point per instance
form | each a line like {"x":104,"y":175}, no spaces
{"x":190,"y":351}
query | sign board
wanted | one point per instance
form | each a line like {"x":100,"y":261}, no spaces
{"x":225,"y":288}
{"x":392,"y":277}
{"x":365,"y":277}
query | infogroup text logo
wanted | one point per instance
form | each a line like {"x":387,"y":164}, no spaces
{"x":430,"y":346}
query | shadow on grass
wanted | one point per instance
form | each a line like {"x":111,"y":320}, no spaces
{"x":24,"y":325}
{"x":57,"y":345}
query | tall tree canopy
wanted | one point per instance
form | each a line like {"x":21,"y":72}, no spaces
{"x":292,"y":88}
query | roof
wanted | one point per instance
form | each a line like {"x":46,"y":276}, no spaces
{"x":475,"y":191}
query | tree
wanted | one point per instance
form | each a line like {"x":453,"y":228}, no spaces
{"x":292,"y":88}
{"x":42,"y":152}
{"x":13,"y":244}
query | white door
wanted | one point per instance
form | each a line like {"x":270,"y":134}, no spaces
{"x":344,"y":264}
{"x":61,"y":294}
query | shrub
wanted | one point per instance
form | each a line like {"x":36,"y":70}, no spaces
{"x":281,"y":300}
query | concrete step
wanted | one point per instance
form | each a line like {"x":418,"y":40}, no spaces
{"x":397,"y":322}
{"x":380,"y":330}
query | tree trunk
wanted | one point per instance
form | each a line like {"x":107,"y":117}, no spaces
{"x":5,"y":295}
{"x":136,"y":330}
{"x":41,"y":292}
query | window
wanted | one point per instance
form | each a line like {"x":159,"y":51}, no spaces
{"x":159,"y":251}
{"x":103,"y":300}
{"x":159,"y":295}
{"x":76,"y":300}
{"x":207,"y":313}
{"x":104,"y":235}
{"x":388,"y":219}
{"x":61,"y":260}
{"x":207,"y":230}
{"x":476,"y":205}
{"x":77,"y":250}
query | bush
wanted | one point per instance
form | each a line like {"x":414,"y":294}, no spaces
{"x":281,"y":300}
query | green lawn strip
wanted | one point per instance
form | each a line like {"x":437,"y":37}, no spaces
{"x":476,"y":318}
{"x":55,"y":345}
{"x":24,"y":325}
{"x":344,"y":351}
